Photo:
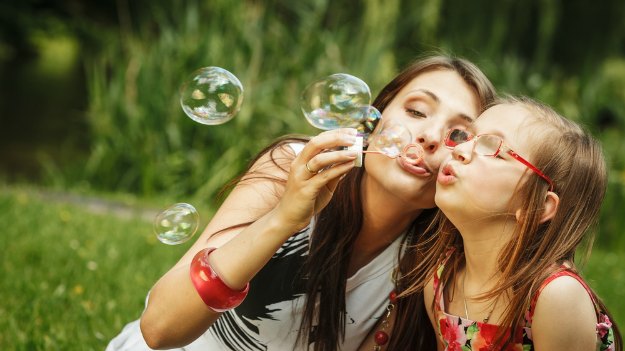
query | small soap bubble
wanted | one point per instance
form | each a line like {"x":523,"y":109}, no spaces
{"x":368,"y":118}
{"x":390,"y":138}
{"x":176,"y":224}
{"x":211,"y":95}
{"x":336,"y":101}
{"x":413,"y":153}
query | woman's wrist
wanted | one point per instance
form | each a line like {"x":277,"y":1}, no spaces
{"x":283,"y":224}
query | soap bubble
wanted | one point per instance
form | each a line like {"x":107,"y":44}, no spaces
{"x":393,"y":140}
{"x":390,"y":139}
{"x":336,"y":101}
{"x":176,"y":224}
{"x":368,"y":118}
{"x":211,"y":95}
{"x":413,"y":153}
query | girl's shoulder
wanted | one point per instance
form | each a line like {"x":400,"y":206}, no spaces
{"x":563,"y":309}
{"x":563,"y":288}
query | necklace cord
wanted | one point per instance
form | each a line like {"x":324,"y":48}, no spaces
{"x":464,"y":300}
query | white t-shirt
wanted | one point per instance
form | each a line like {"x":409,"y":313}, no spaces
{"x":270,"y":317}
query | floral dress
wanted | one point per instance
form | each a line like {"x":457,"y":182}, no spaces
{"x":461,"y":334}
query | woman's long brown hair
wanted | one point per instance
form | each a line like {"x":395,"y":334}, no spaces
{"x":339,"y":223}
{"x":574,"y":160}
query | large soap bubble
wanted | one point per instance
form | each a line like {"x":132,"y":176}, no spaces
{"x":211,"y":95}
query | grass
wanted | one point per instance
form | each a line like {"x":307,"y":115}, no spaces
{"x":73,"y":278}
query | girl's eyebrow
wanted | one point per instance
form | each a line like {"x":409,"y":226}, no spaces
{"x":498,"y":133}
{"x":437,"y":100}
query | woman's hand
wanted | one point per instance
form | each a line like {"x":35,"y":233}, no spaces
{"x":314,"y":175}
{"x":176,"y":315}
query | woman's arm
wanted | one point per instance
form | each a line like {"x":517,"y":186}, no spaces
{"x":175,"y":314}
{"x":564,"y":318}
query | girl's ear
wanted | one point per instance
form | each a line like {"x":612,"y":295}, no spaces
{"x":552,"y":201}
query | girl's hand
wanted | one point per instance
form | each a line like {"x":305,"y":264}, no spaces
{"x":314,"y":175}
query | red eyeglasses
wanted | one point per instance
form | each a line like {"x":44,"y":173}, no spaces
{"x":489,"y":145}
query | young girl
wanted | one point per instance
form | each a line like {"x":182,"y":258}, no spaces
{"x":521,"y":192}
{"x":318,"y":252}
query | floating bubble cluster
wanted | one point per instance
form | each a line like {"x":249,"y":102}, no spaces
{"x":344,"y":101}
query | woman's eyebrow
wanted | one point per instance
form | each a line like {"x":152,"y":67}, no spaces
{"x":466,"y":118}
{"x":437,"y":100}
{"x":428,"y":93}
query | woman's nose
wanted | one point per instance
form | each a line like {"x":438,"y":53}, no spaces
{"x":429,"y":141}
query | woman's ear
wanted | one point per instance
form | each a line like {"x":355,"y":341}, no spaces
{"x":552,"y":201}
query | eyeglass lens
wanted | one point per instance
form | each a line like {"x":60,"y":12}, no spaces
{"x":456,"y":137}
{"x":487,"y":145}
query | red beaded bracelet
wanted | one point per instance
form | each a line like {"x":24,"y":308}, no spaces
{"x":213,"y":291}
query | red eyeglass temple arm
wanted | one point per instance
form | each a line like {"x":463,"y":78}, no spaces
{"x":531,"y":166}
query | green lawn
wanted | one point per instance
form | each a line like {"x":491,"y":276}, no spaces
{"x":72,"y":278}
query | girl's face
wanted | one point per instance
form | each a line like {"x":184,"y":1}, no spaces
{"x":428,"y":106}
{"x":473,"y":186}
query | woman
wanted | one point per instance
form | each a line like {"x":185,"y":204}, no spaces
{"x":521,"y":192}
{"x":316,"y":238}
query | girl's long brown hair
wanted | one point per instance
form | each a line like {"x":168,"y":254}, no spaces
{"x":339,"y":223}
{"x":574,"y":160}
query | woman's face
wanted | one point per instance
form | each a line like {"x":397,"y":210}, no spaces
{"x":432,"y":103}
{"x":473,"y":186}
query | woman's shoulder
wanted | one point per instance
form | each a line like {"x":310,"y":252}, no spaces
{"x":292,"y":142}
{"x":276,"y":158}
{"x":296,"y":146}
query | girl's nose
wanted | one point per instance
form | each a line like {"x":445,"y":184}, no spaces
{"x":463,"y":152}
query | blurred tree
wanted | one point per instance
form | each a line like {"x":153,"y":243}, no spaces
{"x":134,"y":54}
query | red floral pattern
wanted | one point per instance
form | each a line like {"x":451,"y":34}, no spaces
{"x":460,"y":334}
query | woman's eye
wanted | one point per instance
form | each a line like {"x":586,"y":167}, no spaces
{"x":416,"y":113}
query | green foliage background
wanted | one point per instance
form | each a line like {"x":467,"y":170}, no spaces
{"x":141,"y":142}
{"x":129,"y":135}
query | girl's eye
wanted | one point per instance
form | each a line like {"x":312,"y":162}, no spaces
{"x":503,"y":155}
{"x":416,"y":113}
